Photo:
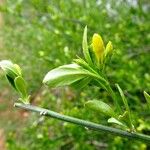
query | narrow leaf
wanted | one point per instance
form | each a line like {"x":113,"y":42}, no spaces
{"x":100,"y":107}
{"x":85,"y":47}
{"x":84,"y":64}
{"x":123,"y":98}
{"x":147,"y":97}
{"x":125,"y":104}
{"x":114,"y":120}
{"x":21,"y":86}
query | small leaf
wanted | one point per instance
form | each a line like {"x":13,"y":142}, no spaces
{"x":85,"y":47}
{"x":84,"y":64}
{"x":81,"y":83}
{"x":8,"y":68}
{"x":147,"y":97}
{"x":114,"y":120}
{"x":21,"y":87}
{"x":100,"y":82}
{"x":124,"y":116}
{"x":64,"y":75}
{"x":100,"y":107}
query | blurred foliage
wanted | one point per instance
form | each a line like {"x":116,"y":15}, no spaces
{"x":40,"y":35}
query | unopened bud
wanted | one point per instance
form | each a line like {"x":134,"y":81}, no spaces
{"x":98,"y":46}
{"x":109,"y":48}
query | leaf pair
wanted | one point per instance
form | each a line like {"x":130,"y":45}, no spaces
{"x":14,"y":76}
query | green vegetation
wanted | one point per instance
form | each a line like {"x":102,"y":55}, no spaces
{"x":40,"y":36}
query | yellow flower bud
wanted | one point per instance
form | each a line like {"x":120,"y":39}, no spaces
{"x":109,"y":48}
{"x":98,"y":46}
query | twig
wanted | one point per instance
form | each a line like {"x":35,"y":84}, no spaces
{"x":87,"y":124}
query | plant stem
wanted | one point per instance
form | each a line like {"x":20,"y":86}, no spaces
{"x":90,"y":125}
{"x":113,"y":95}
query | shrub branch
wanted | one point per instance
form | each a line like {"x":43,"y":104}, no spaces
{"x":87,"y":124}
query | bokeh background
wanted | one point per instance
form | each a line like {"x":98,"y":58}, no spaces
{"x":42,"y":34}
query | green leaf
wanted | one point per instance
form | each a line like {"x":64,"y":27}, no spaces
{"x":85,"y":65}
{"x":147,"y":97}
{"x":18,"y":69}
{"x":116,"y":121}
{"x":11,"y":71}
{"x":123,"y":98}
{"x":69,"y":74}
{"x":126,"y":105}
{"x":82,"y":62}
{"x":65,"y":75}
{"x":81,"y":83}
{"x":21,"y":87}
{"x":99,"y":80}
{"x":11,"y":81}
{"x":100,"y":107}
{"x":123,"y":116}
{"x":8,"y":68}
{"x":85,"y":47}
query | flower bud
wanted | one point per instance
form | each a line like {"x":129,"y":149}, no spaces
{"x":109,"y":48}
{"x":98,"y":46}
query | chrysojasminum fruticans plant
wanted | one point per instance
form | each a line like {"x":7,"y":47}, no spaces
{"x":80,"y":73}
{"x":91,"y":70}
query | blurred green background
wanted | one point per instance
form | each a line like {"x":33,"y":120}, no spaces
{"x":40,"y":35}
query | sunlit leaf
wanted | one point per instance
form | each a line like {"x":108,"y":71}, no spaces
{"x":64,"y":75}
{"x":69,"y":74}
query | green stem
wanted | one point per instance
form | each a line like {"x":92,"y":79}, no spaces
{"x":113,"y":95}
{"x":90,"y":125}
{"x":108,"y":88}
